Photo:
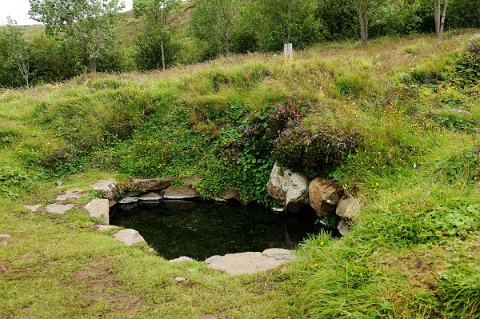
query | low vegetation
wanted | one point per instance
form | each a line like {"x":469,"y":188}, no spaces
{"x":395,"y":124}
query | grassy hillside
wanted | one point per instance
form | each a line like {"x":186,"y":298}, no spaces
{"x":410,"y":108}
{"x":128,"y":29}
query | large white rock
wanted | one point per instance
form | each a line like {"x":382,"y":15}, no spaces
{"x":250,"y":262}
{"x":129,"y":237}
{"x":288,"y":189}
{"x":99,"y":208}
{"x":277,"y":185}
{"x":297,"y":191}
{"x":106,"y":187}
{"x":59,"y":209}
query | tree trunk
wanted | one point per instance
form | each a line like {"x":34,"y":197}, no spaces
{"x":92,"y":66}
{"x":162,"y":44}
{"x":363,"y":19}
{"x":437,"y":17}
{"x":162,"y":49}
{"x":440,"y":15}
{"x":442,"y":23}
{"x":362,"y":9}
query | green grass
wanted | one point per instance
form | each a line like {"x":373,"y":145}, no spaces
{"x":413,"y":252}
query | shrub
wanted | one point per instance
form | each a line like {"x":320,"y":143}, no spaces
{"x":301,"y":150}
{"x":467,"y":65}
{"x":286,"y":114}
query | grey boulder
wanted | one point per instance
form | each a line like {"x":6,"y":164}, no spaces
{"x":106,"y":187}
{"x":181,"y":193}
{"x":288,"y":189}
{"x":150,"y":197}
{"x":129,"y":237}
{"x":99,"y":208}
{"x":59,"y":209}
{"x":250,"y":262}
{"x":348,"y":207}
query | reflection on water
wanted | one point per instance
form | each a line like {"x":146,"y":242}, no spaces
{"x":201,"y":230}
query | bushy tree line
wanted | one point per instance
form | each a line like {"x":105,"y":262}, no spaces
{"x":80,"y":35}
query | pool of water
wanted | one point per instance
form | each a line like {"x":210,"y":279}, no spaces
{"x":201,"y":230}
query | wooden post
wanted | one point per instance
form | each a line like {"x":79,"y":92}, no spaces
{"x":288,"y":51}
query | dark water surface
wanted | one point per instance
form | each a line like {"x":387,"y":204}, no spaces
{"x":201,"y":230}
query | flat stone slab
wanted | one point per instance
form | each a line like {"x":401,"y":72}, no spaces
{"x":180,"y":279}
{"x":59,"y":209}
{"x":182,"y":259}
{"x":279,"y":254}
{"x":152,"y":184}
{"x":128,"y":200}
{"x":70,"y":194}
{"x":250,"y":262}
{"x":129,"y":237}
{"x":150,"y":197}
{"x":104,"y":228}
{"x":230,"y":195}
{"x":33,"y":208}
{"x":181,"y":193}
{"x":99,"y":208}
{"x":4,"y":238}
{"x":107,"y":187}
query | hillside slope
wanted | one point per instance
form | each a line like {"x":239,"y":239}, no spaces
{"x":411,"y":106}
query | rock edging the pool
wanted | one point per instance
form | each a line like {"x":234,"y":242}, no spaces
{"x":153,"y":190}
{"x":292,"y":191}
{"x":245,"y":263}
{"x":250,"y":262}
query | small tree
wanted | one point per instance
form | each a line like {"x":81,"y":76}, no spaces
{"x":362,"y":7}
{"x":286,"y":21}
{"x":15,"y":51}
{"x":440,"y":14}
{"x":89,"y":24}
{"x":212,"y":21}
{"x":159,"y":22}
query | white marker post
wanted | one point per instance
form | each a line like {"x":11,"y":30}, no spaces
{"x":288,"y":51}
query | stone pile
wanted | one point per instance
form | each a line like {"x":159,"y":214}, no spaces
{"x":293,"y":192}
